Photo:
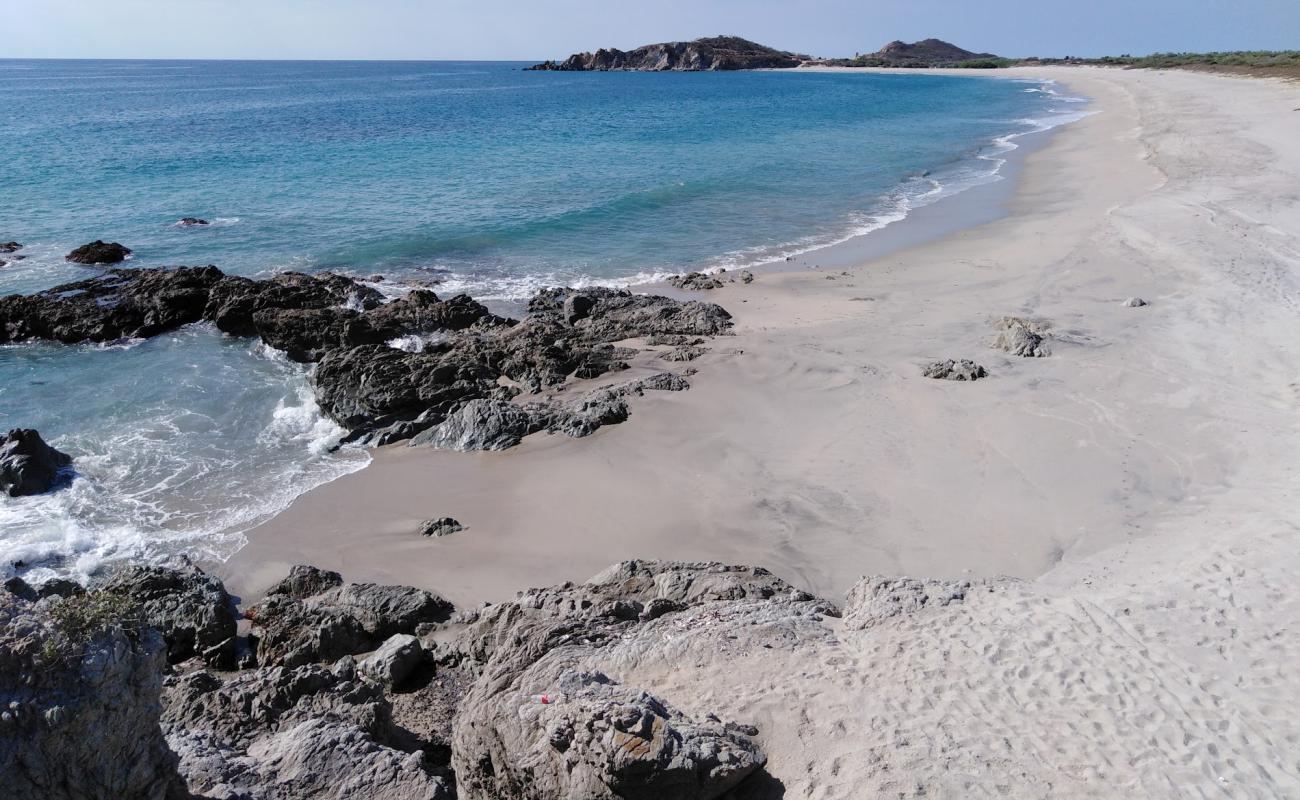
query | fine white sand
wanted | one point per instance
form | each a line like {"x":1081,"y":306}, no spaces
{"x":1141,"y":479}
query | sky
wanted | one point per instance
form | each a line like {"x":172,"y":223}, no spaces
{"x":535,"y":30}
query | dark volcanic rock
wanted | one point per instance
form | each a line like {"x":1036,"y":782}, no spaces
{"x":10,"y":247}
{"x":191,"y":608}
{"x":28,"y":465}
{"x":234,"y":302}
{"x":304,"y":581}
{"x":80,"y":716}
{"x":99,"y":252}
{"x":189,"y":222}
{"x":715,"y":53}
{"x":119,"y":304}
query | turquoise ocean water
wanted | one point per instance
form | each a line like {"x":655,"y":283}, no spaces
{"x":494,"y":181}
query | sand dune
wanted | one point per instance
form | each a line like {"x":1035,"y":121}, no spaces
{"x":1139,"y":480}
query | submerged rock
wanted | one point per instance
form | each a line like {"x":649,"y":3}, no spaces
{"x":951,"y":370}
{"x":30,"y":466}
{"x":1022,"y":337}
{"x":190,"y":222}
{"x":444,"y":526}
{"x":99,"y":252}
{"x":10,"y":247}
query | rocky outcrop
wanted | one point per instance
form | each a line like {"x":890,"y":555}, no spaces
{"x":119,"y":304}
{"x":875,"y":599}
{"x":953,"y":370}
{"x":287,"y":733}
{"x":1022,"y":337}
{"x":715,"y":53}
{"x":190,"y":222}
{"x":463,"y":359}
{"x":99,"y":252}
{"x":30,"y":466}
{"x":79,"y":688}
{"x":342,"y":620}
{"x":544,"y":719}
{"x":189,"y":607}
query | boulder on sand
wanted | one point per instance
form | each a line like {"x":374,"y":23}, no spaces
{"x":99,"y":252}
{"x":441,"y":527}
{"x":1022,"y":337}
{"x":28,"y":465}
{"x":953,"y":370}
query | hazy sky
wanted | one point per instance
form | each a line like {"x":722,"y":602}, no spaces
{"x":536,"y":29}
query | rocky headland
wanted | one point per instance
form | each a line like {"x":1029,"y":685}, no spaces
{"x":927,"y":53}
{"x":702,"y":55}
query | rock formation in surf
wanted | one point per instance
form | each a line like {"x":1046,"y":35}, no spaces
{"x":708,"y":54}
{"x":380,"y":393}
{"x":99,"y":252}
{"x":955,"y":370}
{"x":30,"y":466}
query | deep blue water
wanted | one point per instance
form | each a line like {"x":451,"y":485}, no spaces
{"x":494,"y":180}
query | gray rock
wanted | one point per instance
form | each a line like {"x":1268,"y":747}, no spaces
{"x":480,"y":425}
{"x":746,"y":276}
{"x":598,"y":738}
{"x":30,"y":466}
{"x":1135,"y":302}
{"x":81,"y":705}
{"x":189,"y":607}
{"x":190,"y":222}
{"x":684,"y":353}
{"x":695,"y":282}
{"x":304,"y":581}
{"x":875,"y":599}
{"x":950,"y":370}
{"x":284,"y":734}
{"x":10,"y":247}
{"x":443,"y":526}
{"x":1022,"y":337}
{"x":394,"y":661}
{"x":341,"y":621}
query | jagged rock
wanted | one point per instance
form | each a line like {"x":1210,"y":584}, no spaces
{"x":1022,"y":337}
{"x":189,"y":607}
{"x":341,"y":621}
{"x":30,"y":466}
{"x":874,"y":599}
{"x":713,"y":53}
{"x":80,"y":691}
{"x":597,"y":738}
{"x":1135,"y":302}
{"x":189,"y":222}
{"x":394,"y":661}
{"x":695,"y":282}
{"x":55,"y":587}
{"x":444,"y":526}
{"x":99,"y":252}
{"x":234,"y":301}
{"x":673,"y":340}
{"x":119,"y":304}
{"x":684,"y":352}
{"x":283,"y":734}
{"x":304,"y":580}
{"x":481,"y":425}
{"x":951,"y":370}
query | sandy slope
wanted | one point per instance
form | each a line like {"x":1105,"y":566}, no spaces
{"x":1141,"y":479}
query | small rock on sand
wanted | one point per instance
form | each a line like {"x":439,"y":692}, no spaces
{"x":953,"y":370}
{"x":1135,"y":302}
{"x":441,"y":527}
{"x":1022,"y":337}
{"x":695,"y":282}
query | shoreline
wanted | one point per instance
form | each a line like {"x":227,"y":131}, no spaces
{"x":969,"y":209}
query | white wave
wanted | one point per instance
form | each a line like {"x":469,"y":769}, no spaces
{"x":416,"y":342}
{"x":302,"y":422}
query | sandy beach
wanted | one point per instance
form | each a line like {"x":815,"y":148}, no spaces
{"x":1138,"y":482}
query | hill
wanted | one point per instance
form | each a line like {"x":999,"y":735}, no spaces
{"x":709,"y":54}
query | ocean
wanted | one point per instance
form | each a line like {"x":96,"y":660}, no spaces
{"x":489,"y":179}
